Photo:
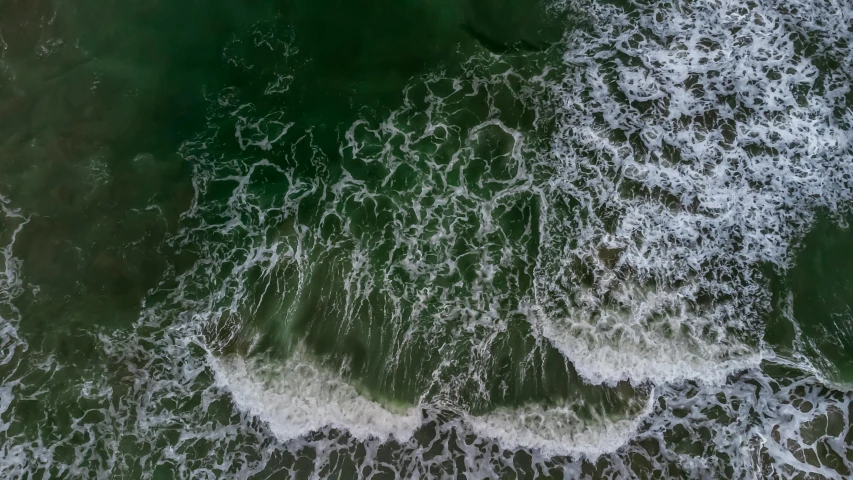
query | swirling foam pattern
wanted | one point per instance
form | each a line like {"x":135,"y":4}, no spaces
{"x":552,"y":262}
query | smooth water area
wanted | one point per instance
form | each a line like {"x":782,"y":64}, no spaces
{"x":426,"y":239}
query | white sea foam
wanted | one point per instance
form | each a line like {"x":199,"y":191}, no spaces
{"x":300,"y":397}
{"x":558,"y":430}
{"x":661,"y":360}
{"x":16,"y":452}
{"x":693,"y":148}
{"x":11,"y":286}
{"x":696,"y":144}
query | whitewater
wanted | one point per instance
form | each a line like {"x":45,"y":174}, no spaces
{"x":547,"y":264}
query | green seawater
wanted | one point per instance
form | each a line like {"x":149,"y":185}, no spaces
{"x":424,"y":239}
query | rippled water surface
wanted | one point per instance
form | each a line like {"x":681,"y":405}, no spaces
{"x":426,"y":239}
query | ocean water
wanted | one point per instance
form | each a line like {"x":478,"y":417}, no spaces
{"x":426,"y":239}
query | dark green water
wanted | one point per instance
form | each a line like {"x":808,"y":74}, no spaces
{"x":426,"y":239}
